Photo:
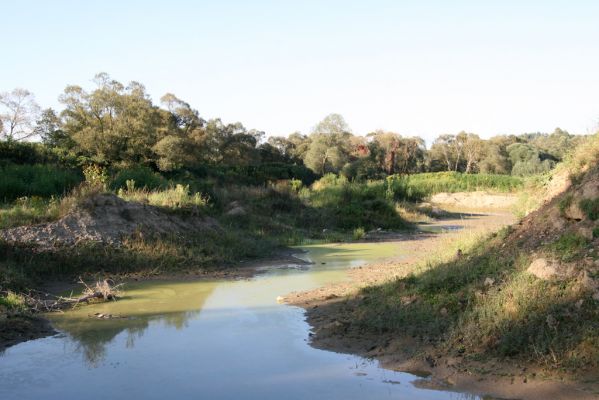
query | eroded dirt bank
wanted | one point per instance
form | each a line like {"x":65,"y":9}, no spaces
{"x":329,"y":310}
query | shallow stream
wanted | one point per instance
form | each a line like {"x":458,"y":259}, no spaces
{"x":206,"y":340}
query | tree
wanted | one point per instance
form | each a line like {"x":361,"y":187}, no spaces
{"x":396,"y":154}
{"x":19,"y":112}
{"x":114,"y":123}
{"x":48,"y":128}
{"x":443,"y":149}
{"x":527,"y":160}
{"x":329,"y":146}
{"x":473,"y":149}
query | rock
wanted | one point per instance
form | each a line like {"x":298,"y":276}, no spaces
{"x":236,"y":211}
{"x":590,"y":190}
{"x":586,"y":232}
{"x":489,"y":281}
{"x":543,"y":269}
{"x":574,"y":212}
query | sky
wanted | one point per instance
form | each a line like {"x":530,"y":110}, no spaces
{"x":414,"y":67}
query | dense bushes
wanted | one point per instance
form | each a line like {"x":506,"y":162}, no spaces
{"x":144,"y":178}
{"x":35,"y":180}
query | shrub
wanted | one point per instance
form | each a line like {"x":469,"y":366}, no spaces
{"x":590,"y":207}
{"x":35,"y":180}
{"x":359,"y":233}
{"x":178,"y":197}
{"x":144,"y":178}
{"x":564,"y":203}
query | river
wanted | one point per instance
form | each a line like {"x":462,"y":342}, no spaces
{"x":224,"y":339}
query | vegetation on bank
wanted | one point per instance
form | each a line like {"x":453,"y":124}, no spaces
{"x":477,"y":298}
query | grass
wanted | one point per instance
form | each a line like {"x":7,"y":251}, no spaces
{"x":518,"y":316}
{"x":427,"y":184}
{"x":174,"y":198}
{"x":590,"y":207}
{"x":12,"y":301}
{"x":22,"y":266}
{"x":568,"y":246}
{"x":265,"y":218}
{"x":35,"y":180}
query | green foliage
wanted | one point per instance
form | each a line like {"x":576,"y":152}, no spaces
{"x":354,"y":204}
{"x":143,"y":177}
{"x":95,"y":176}
{"x":35,"y":180}
{"x":569,"y":245}
{"x":29,"y":210}
{"x":590,"y":207}
{"x":431,"y":183}
{"x":359,"y":233}
{"x":13,"y":301}
{"x":175,"y":198}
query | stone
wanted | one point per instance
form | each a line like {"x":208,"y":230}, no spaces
{"x":489,"y":281}
{"x":574,"y":212}
{"x":237,"y":211}
{"x":543,"y":269}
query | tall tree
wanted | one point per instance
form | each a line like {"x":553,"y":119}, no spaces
{"x":329,"y":146}
{"x":114,"y":123}
{"x":18,"y":113}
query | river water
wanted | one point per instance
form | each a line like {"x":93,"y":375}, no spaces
{"x":206,"y":340}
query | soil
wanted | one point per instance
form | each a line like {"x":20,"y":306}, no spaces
{"x":108,"y":219}
{"x":329,"y":311}
{"x":475,"y":200}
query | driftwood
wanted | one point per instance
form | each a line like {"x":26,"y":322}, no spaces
{"x":44,"y":302}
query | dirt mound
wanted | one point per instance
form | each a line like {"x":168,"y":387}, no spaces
{"x":108,"y":219}
{"x":570,"y":212}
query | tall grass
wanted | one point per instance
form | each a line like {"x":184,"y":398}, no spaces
{"x":174,"y":198}
{"x":430,"y":183}
{"x":35,"y":180}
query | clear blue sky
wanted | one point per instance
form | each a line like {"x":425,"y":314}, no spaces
{"x":414,"y":67}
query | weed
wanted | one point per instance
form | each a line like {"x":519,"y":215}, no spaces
{"x":359,"y":233}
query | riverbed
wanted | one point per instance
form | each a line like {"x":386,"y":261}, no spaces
{"x":221,"y":339}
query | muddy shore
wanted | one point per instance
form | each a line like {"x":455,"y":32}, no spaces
{"x":329,"y":310}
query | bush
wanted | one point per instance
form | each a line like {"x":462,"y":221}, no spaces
{"x":144,"y":178}
{"x":359,"y":233}
{"x":36,"y":180}
{"x":590,"y":207}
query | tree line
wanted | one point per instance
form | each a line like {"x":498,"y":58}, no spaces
{"x":119,"y":125}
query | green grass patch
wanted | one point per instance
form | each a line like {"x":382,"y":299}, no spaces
{"x":590,"y":207}
{"x":438,"y":182}
{"x":568,"y":247}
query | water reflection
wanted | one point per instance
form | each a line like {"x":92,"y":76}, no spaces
{"x":170,"y":304}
